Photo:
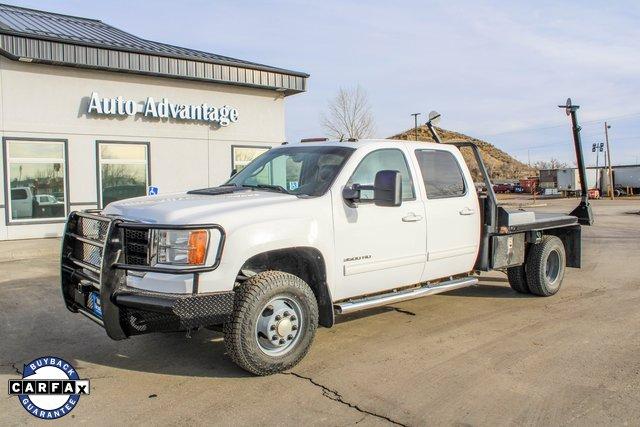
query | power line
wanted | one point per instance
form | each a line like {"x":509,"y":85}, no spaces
{"x":588,"y":122}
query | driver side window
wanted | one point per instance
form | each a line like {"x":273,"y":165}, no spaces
{"x":385,"y":159}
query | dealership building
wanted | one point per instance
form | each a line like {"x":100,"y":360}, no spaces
{"x":90,"y":114}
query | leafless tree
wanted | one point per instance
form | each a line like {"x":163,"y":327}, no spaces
{"x":551,"y":164}
{"x":349,"y":115}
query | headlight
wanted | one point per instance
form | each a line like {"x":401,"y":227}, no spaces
{"x":179,"y":247}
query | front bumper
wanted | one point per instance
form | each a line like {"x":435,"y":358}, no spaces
{"x":95,"y":260}
{"x":145,"y":311}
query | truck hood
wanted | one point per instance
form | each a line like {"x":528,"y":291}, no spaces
{"x":184,"y":208}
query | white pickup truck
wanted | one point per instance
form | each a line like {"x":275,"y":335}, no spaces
{"x":304,"y":233}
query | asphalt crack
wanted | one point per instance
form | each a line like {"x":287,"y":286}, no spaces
{"x":13,"y":366}
{"x":18,"y":371}
{"x":337,"y":397}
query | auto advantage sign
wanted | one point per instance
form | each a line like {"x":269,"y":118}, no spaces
{"x":162,"y":109}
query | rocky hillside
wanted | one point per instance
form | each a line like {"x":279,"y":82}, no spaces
{"x":500,"y":164}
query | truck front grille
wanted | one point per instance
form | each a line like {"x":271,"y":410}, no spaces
{"x":136,"y":243}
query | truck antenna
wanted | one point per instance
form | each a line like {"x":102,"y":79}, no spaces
{"x":583,"y":210}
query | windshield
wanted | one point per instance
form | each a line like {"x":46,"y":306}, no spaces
{"x":297,"y":170}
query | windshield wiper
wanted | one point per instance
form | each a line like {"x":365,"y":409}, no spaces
{"x":276,"y":188}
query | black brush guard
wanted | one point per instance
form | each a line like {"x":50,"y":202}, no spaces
{"x":98,"y":251}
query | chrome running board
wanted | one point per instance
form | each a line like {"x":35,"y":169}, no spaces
{"x":393,"y":297}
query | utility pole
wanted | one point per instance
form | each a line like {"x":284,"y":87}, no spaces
{"x":415,"y":119}
{"x":606,"y":136}
{"x":597,"y":147}
{"x":594,"y":147}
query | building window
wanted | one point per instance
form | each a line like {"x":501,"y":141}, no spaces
{"x":441,"y":174}
{"x":123,"y":171}
{"x":242,"y":156}
{"x":36,"y":177}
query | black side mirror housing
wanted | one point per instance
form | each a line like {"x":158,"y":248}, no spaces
{"x":351,"y":194}
{"x":387,"y":188}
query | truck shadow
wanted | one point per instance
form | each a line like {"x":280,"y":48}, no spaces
{"x":203,"y":355}
{"x":34,"y":329}
{"x":30,"y":328}
{"x":486,"y":291}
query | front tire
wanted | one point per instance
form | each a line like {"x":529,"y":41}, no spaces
{"x":274,"y":320}
{"x":545,"y":266}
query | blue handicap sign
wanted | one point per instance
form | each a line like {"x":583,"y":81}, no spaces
{"x":153,"y":191}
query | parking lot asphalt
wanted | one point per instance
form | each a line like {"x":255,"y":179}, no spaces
{"x":478,"y":356}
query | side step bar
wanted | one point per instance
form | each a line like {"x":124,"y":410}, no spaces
{"x":393,"y":297}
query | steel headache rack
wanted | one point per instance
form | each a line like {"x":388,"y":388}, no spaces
{"x":99,"y":252}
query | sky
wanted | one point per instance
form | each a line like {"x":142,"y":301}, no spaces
{"x":494,"y":70}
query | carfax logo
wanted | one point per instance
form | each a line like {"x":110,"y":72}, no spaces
{"x":50,"y":387}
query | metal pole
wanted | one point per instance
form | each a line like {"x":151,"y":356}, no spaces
{"x":415,"y":119}
{"x":579,"y":157}
{"x":606,"y":136}
{"x":583,"y":210}
{"x":597,"y":155}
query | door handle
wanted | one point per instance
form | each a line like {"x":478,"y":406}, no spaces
{"x":411,"y":218}
{"x":467,"y":211}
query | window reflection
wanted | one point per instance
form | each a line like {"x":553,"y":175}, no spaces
{"x":123,"y":171}
{"x":36,"y":176}
{"x":123,"y":151}
{"x":242,"y":156}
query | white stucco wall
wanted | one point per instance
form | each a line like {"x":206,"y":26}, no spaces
{"x":42,"y":101}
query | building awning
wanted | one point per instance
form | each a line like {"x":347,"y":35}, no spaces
{"x":30,"y":35}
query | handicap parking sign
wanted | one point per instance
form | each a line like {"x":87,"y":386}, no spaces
{"x":153,"y":191}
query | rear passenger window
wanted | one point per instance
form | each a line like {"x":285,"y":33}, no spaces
{"x":385,"y":159}
{"x":441,"y":174}
{"x":18,"y":194}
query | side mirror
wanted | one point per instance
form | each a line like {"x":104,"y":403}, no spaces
{"x":233,"y":172}
{"x":387,"y":188}
{"x":351,"y":194}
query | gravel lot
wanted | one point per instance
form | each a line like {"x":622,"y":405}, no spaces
{"x":480,"y":356}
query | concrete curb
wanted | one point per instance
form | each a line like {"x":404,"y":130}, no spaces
{"x":14,"y":250}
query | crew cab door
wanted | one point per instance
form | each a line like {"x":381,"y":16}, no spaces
{"x":452,"y":213}
{"x":378,"y":248}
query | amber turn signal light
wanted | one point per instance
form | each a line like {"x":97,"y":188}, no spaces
{"x":198,"y":240}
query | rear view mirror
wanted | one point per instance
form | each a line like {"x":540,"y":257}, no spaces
{"x":387,"y":188}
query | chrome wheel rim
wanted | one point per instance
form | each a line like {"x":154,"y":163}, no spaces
{"x":278,"y":326}
{"x":552,"y":268}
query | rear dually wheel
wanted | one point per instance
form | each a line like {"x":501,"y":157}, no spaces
{"x":545,"y":266}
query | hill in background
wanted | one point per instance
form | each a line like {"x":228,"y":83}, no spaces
{"x":501,"y":166}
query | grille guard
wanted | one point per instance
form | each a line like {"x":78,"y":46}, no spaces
{"x":93,"y":259}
